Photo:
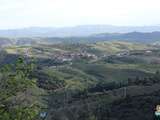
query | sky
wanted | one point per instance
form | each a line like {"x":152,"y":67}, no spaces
{"x":62,"y":13}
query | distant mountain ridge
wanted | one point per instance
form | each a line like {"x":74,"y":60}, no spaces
{"x":139,"y":37}
{"x":131,"y":37}
{"x":80,"y":31}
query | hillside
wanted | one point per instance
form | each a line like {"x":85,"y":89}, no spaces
{"x":92,"y":81}
{"x":82,"y":30}
{"x":134,"y":37}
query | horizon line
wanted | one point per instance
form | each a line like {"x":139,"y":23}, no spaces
{"x":80,"y":25}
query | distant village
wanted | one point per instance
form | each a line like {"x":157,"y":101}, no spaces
{"x":69,"y":56}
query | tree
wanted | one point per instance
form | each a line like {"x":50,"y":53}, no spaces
{"x":16,"y":85}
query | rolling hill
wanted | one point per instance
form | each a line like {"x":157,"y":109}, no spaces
{"x":82,"y":30}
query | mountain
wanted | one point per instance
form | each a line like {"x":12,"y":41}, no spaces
{"x":83,"y":30}
{"x":139,"y":37}
{"x":147,"y":37}
{"x":6,"y":42}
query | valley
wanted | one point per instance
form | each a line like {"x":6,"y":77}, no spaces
{"x":107,"y":80}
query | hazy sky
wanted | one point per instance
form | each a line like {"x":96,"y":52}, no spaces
{"x":59,"y":13}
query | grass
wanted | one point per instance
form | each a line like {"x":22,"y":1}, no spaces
{"x":113,"y":72}
{"x":118,"y":46}
{"x":148,"y":68}
{"x":74,"y":78}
